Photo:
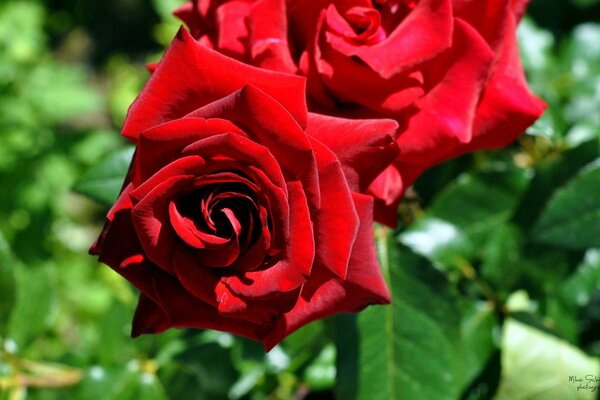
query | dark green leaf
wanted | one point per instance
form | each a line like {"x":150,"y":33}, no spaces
{"x":501,"y":254}
{"x":572,"y":217}
{"x":320,"y":375}
{"x":565,"y":303}
{"x":346,"y":338}
{"x":478,"y":327}
{"x":7,"y":283}
{"x":550,"y":175}
{"x":584,"y":282}
{"x":104,"y":181}
{"x":36,"y":303}
{"x":410,"y":349}
{"x":478,"y":203}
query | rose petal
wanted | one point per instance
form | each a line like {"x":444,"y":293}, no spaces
{"x":447,"y":112}
{"x":325,"y":295}
{"x":191,"y":75}
{"x":295,"y":265}
{"x":262,"y":168}
{"x":148,"y":318}
{"x":365,"y":149}
{"x":269,"y":124}
{"x":487,"y":17}
{"x":336,"y":222}
{"x":162,"y":144}
{"x":352,"y":81}
{"x":508,"y":107}
{"x":150,"y":218}
{"x":232,"y":31}
{"x":422,"y":35}
{"x":267,"y":25}
{"x":177,"y":303}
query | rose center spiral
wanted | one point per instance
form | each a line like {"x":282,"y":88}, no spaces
{"x":217,"y":215}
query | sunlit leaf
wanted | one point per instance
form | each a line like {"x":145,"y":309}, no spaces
{"x":410,"y":349}
{"x":537,"y":366}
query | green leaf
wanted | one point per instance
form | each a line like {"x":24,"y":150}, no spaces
{"x":478,"y":203}
{"x":538,"y":366}
{"x":437,"y":240}
{"x":572,"y":217}
{"x":550,"y":175}
{"x":305,"y":344}
{"x":207,"y":371}
{"x":36,"y":303}
{"x":477,"y":336}
{"x":501,"y":254}
{"x":346,"y":339}
{"x":7,"y":283}
{"x":320,"y":375}
{"x":584,"y":282}
{"x":104,"y":181}
{"x":410,"y":349}
{"x":575,"y":293}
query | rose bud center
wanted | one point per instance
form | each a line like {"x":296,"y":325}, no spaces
{"x":223,"y":221}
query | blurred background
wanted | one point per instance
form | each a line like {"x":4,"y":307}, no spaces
{"x":510,"y":286}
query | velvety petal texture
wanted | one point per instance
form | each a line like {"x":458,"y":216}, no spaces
{"x":241,"y":211}
{"x":448,"y":71}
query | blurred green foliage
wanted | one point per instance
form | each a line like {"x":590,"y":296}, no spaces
{"x":494,"y":269}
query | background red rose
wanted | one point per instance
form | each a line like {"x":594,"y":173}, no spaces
{"x":242,"y":212}
{"x":447,"y":70}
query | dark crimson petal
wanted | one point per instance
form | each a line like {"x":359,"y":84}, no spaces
{"x":191,"y":75}
{"x":198,"y":279}
{"x":325,"y":295}
{"x":160,"y":145}
{"x":241,"y":150}
{"x":268,"y":38}
{"x":447,"y":112}
{"x":262,"y":168}
{"x":315,"y":87}
{"x":123,"y":203}
{"x":265,"y":121}
{"x":190,"y":166}
{"x":232,"y":32}
{"x":188,"y":13}
{"x":302,"y":20}
{"x":202,"y":283}
{"x":254,"y":310}
{"x":294,"y":267}
{"x":257,"y":252}
{"x":422,"y":35}
{"x":150,"y":219}
{"x":201,"y":239}
{"x":149,"y":318}
{"x":365,"y":149}
{"x":120,"y":248}
{"x":336,"y":222}
{"x":191,"y":236}
{"x":187,"y":311}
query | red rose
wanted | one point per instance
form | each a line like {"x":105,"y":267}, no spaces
{"x":447,"y":70}
{"x":242,"y":212}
